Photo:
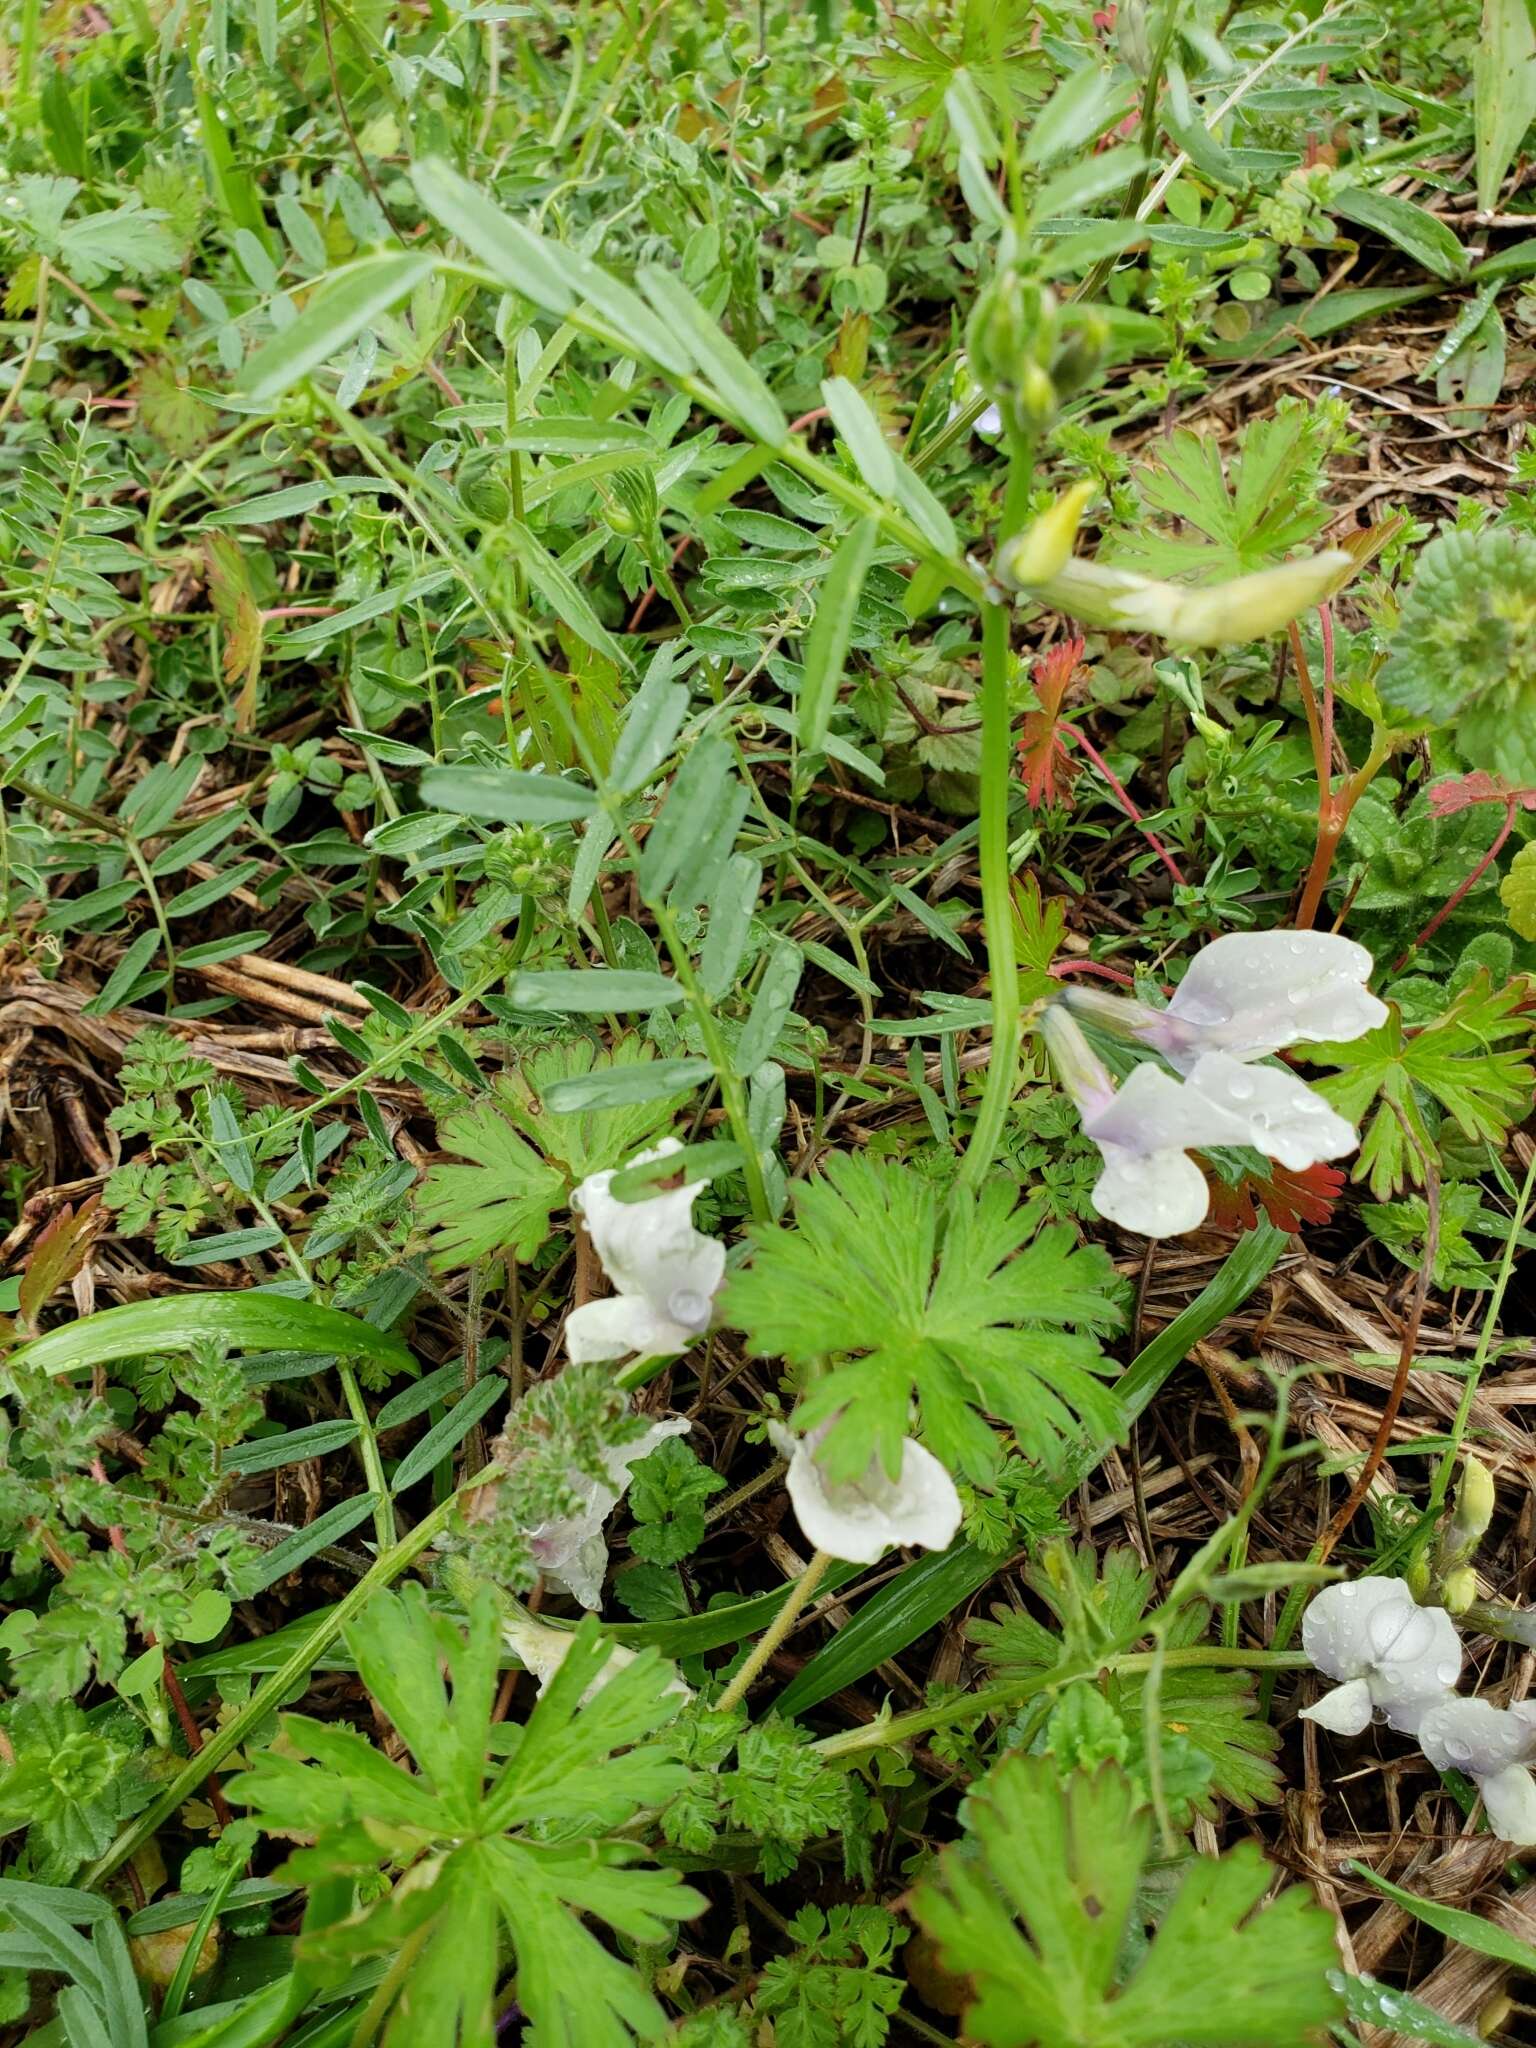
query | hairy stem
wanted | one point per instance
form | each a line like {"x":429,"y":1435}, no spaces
{"x":794,"y":1605}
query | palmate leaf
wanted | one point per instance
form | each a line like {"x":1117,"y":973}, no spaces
{"x":1037,"y":1908}
{"x":995,"y":1323}
{"x":1470,"y":1061}
{"x":1100,"y":1603}
{"x":522,"y":1159}
{"x":1231,"y":524}
{"x":518,"y":1845}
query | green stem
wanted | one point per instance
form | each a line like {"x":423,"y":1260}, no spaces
{"x":996,"y":896}
{"x":732,"y":1094}
{"x":1013,"y":1692}
{"x":1442,"y":1479}
{"x":794,"y":1604}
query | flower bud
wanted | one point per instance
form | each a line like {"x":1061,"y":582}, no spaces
{"x":1474,"y":1503}
{"x":523,"y":859}
{"x":481,"y":490}
{"x":1246,"y":608}
{"x":1013,"y":323}
{"x":1043,"y":549}
{"x":1458,"y":1590}
{"x":1085,"y":339}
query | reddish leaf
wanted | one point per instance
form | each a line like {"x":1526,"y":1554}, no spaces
{"x":1048,"y":767}
{"x":1459,"y":792}
{"x":1289,"y":1199}
{"x":57,"y":1256}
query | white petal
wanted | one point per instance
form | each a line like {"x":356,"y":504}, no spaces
{"x":570,"y":1551}
{"x":1285,"y":1118}
{"x":1346,"y":1710}
{"x":1152,"y":1112}
{"x":1510,"y":1799}
{"x":1473,"y":1735}
{"x":1159,"y":1194}
{"x":1415,"y":1652}
{"x":543,"y":1650}
{"x":622,"y":1456}
{"x":1335,"y":1630}
{"x":650,"y":1247}
{"x":576,"y":1568}
{"x":1250,"y":993}
{"x":1408,"y":1712}
{"x":860,"y":1520}
{"x":989,"y":424}
{"x":618,"y":1325}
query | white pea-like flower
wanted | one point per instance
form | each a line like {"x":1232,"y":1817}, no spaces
{"x":860,"y":1519}
{"x":1391,"y":1655}
{"x":1495,"y":1747}
{"x":570,"y":1551}
{"x":1147,"y":1128}
{"x":1249,"y":994}
{"x":665,"y":1273}
{"x":1276,"y":1113}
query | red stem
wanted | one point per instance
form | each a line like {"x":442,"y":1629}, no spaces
{"x":1463,"y":889}
{"x":1064,"y":967}
{"x":1124,"y":799}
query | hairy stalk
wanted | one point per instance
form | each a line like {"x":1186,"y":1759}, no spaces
{"x":1333,"y":805}
{"x":1125,"y":800}
{"x":1463,"y":888}
{"x":794,"y":1605}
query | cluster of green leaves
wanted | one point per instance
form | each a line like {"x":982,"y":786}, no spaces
{"x":764,"y":1782}
{"x":1042,"y":1911}
{"x":996,"y":1317}
{"x":1468,"y":1064}
{"x":498,"y":1834}
{"x":1212,"y":1743}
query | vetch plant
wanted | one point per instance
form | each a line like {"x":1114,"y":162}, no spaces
{"x":1390,"y":1655}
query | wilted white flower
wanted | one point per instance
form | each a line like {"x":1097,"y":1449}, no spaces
{"x":1392,"y":1656}
{"x":1147,"y":1127}
{"x":665,"y":1272}
{"x":1494,"y":1746}
{"x":570,"y":1551}
{"x":542,"y":1650}
{"x":860,"y":1519}
{"x":1245,"y":608}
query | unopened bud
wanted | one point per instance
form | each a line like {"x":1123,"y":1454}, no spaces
{"x":1458,"y":1590}
{"x":482,"y":491}
{"x":1085,"y":339}
{"x":1474,"y":1504}
{"x":1043,"y":549}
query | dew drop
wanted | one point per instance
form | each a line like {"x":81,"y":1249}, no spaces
{"x":1459,"y":1752}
